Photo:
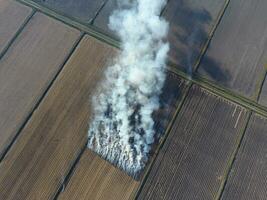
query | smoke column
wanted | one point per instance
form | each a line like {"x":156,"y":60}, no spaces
{"x":122,"y":128}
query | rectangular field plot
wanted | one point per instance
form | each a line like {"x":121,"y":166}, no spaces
{"x":12,"y":16}
{"x":191,"y":22}
{"x":236,"y":57}
{"x":95,"y":179}
{"x":247,"y":179}
{"x":36,"y":166}
{"x":195,"y":157}
{"x":82,"y":10}
{"x":27,"y":69}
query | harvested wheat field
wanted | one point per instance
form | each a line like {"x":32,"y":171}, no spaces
{"x":209,"y":120}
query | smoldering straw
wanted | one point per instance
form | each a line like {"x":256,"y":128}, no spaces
{"x":122,"y":128}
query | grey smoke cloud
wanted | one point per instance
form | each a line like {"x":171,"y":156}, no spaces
{"x":122,"y":128}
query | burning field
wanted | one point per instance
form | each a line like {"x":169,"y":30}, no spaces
{"x":122,"y":128}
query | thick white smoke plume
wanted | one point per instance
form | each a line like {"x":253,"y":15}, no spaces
{"x":122,"y":129}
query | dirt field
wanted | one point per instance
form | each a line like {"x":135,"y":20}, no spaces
{"x":212,"y":121}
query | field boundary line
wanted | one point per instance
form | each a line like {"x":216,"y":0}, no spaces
{"x":210,"y":36}
{"x":232,"y":159}
{"x":42,"y":96}
{"x":84,"y":27}
{"x":21,"y":28}
{"x":70,"y":172}
{"x":163,"y":140}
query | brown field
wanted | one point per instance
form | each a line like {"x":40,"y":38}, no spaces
{"x":27,"y":69}
{"x":95,"y":178}
{"x":57,"y":131}
{"x":60,"y":124}
{"x":93,"y":172}
{"x":10,"y":21}
{"x":52,"y":57}
{"x":195,"y":157}
{"x":248,"y":176}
